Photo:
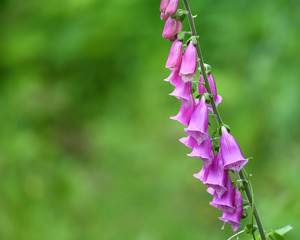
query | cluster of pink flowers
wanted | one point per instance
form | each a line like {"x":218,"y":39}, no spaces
{"x":194,"y":114}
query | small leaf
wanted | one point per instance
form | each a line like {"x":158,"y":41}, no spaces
{"x":284,"y":230}
{"x":275,"y":236}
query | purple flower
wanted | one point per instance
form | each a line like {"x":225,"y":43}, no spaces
{"x":211,"y":191}
{"x":234,"y":219}
{"x":212,"y":84}
{"x":199,"y":122}
{"x":202,"y":175}
{"x":164,"y":5}
{"x":185,"y":112}
{"x":203,"y":150}
{"x":170,"y":29}
{"x":163,"y":16}
{"x":189,"y":63}
{"x":173,"y":77}
{"x":172,"y":7}
{"x":231,"y":152}
{"x":226,"y":202}
{"x":189,"y":141}
{"x":217,"y":176}
{"x":182,"y":90}
{"x":175,"y":56}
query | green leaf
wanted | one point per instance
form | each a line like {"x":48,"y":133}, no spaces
{"x":275,"y":236}
{"x":284,"y":230}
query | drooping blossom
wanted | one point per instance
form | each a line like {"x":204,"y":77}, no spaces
{"x":189,"y":63}
{"x":182,"y":90}
{"x":172,"y":7}
{"x":203,"y":150}
{"x":234,"y":219}
{"x":175,"y":55}
{"x":185,"y":111}
{"x":226,"y":202}
{"x":216,"y":177}
{"x":210,"y":190}
{"x":170,"y":29}
{"x":188,"y":141}
{"x":199,"y":122}
{"x":202,"y":175}
{"x":231,"y":152}
{"x":163,"y":5}
{"x":212,"y":85}
{"x":163,"y":16}
{"x":173,"y":77}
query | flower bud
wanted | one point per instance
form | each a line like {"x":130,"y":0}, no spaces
{"x":175,"y":56}
{"x":163,"y":16}
{"x":189,"y":63}
{"x":170,"y":29}
{"x":172,"y":7}
{"x":164,"y":5}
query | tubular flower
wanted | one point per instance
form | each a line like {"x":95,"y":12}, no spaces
{"x":172,"y":7}
{"x":185,"y":111}
{"x":163,"y":16}
{"x":226,"y":202}
{"x":234,"y":219}
{"x":216,"y":176}
{"x":189,"y":141}
{"x":210,"y":190}
{"x":164,"y":5}
{"x":199,"y":122}
{"x":202,"y":175}
{"x":175,"y":55}
{"x":182,"y":90}
{"x":231,"y":152}
{"x":212,"y":85}
{"x":173,"y":77}
{"x":203,"y":150}
{"x":189,"y":63}
{"x":170,"y":29}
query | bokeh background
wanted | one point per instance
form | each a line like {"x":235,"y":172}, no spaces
{"x":87,"y":149}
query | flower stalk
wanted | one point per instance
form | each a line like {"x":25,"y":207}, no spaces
{"x":219,"y":119}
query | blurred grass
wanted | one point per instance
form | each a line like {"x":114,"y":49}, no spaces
{"x":86,"y":145}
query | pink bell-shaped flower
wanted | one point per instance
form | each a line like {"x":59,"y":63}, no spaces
{"x":217,"y":176}
{"x":234,"y":219}
{"x":175,"y":56}
{"x":182,"y":90}
{"x":210,"y":190}
{"x":163,"y":5}
{"x":202,"y":175}
{"x":188,"y":141}
{"x":203,"y":150}
{"x":226,"y":202}
{"x":163,"y":16}
{"x":199,"y":122}
{"x":185,"y":112}
{"x":173,"y":77}
{"x":172,"y":27}
{"x":212,"y":85}
{"x":189,"y":63}
{"x":231,"y":152}
{"x":172,"y":7}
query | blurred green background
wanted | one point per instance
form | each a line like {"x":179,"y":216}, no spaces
{"x":87,"y":149}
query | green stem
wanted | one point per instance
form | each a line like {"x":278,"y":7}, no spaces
{"x":218,"y":117}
